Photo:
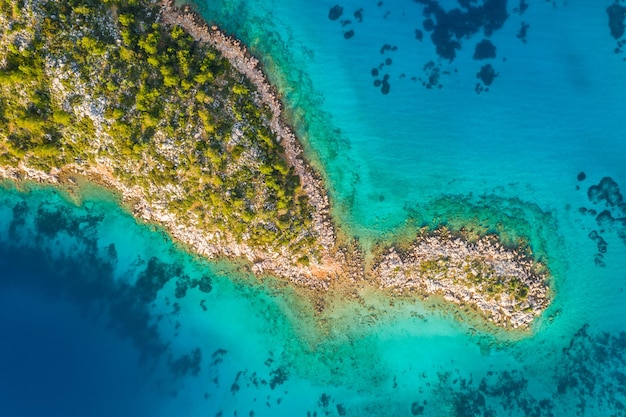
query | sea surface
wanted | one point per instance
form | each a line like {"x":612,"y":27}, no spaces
{"x":499,"y":116}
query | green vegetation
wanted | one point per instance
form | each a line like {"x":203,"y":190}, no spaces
{"x":476,"y":273}
{"x":431,"y":268}
{"x":479,"y":273}
{"x":100,"y":83}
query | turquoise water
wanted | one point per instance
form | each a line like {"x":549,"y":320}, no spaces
{"x":505,"y":160}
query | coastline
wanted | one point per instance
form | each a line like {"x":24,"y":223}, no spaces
{"x":382,"y":273}
{"x":238,"y":55}
{"x":416,"y":271}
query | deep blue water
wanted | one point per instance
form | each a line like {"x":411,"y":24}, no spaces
{"x":60,"y":354}
{"x":56,"y":362}
{"x":88,"y":287}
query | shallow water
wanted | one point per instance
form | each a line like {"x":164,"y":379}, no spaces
{"x":504,"y":160}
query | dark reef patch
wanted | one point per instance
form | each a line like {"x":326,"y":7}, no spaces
{"x":598,"y":259}
{"x":617,"y":17}
{"x":585,"y":210}
{"x":487,"y":74}
{"x":335,"y":12}
{"x":602,"y":245}
{"x":588,"y":378}
{"x":617,"y":24}
{"x":433,"y":75}
{"x":358,"y":15}
{"x":154,"y":277}
{"x":484,"y":50}
{"x":324,"y":400}
{"x":593,"y":371}
{"x":428,"y":25}
{"x":205,"y":284}
{"x":612,"y":219}
{"x":384,"y":85}
{"x":498,"y":393}
{"x":278,"y":377}
{"x":218,"y":356}
{"x":523,"y":31}
{"x":521,"y":8}
{"x":235,"y":387}
{"x":187,"y":364}
{"x":51,"y":221}
{"x":417,"y":409}
{"x":325,"y":407}
{"x":605,"y":220}
{"x":449,"y":28}
{"x":386,"y":47}
{"x":385,"y":88}
{"x":184,"y":283}
{"x":606,"y":191}
{"x":20,"y":212}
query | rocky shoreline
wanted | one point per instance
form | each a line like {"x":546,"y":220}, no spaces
{"x":239,"y":57}
{"x":209,"y":245}
{"x":505,"y":285}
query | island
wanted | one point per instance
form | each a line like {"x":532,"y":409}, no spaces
{"x":179,"y":119}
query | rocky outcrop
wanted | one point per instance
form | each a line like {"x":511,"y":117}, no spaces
{"x":505,"y":284}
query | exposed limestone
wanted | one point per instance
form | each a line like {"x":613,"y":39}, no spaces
{"x":484,"y":274}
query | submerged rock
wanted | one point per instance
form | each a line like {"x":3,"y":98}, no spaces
{"x":487,"y":74}
{"x":523,"y":31}
{"x":484,"y":50}
{"x":358,"y":15}
{"x":607,"y":190}
{"x":335,"y":12}
{"x":386,"y":87}
{"x":617,"y":17}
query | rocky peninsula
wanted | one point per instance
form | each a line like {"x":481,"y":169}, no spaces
{"x":179,"y":119}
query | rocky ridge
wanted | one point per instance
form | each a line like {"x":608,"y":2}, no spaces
{"x":505,"y":284}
